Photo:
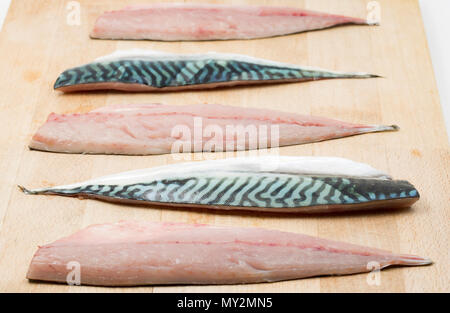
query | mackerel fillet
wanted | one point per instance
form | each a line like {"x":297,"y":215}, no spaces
{"x":262,"y":184}
{"x":145,"y":253}
{"x":147,"y":70}
{"x":183,"y":21}
{"x":161,"y":129}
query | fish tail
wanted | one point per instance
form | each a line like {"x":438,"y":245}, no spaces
{"x":361,"y":75}
{"x":31,"y":192}
{"x":374,"y":76}
{"x":323,"y":74}
{"x":374,"y":23}
{"x":411,"y":260}
{"x":379,"y":128}
{"x":361,"y":21}
{"x":25,"y":190}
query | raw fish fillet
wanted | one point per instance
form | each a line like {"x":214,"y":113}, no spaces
{"x":159,"y":129}
{"x":144,"y":253}
{"x":148,"y":70}
{"x":265,"y":184}
{"x":183,"y":21}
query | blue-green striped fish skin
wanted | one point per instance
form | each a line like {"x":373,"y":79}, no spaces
{"x":264,"y":191}
{"x":184,"y":74}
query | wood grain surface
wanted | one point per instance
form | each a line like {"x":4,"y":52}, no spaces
{"x":36,"y":44}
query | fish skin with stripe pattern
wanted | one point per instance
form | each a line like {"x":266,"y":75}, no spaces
{"x":249,"y":185}
{"x":193,"y":22}
{"x":148,"y":70}
{"x":144,"y":129}
{"x":131,"y":253}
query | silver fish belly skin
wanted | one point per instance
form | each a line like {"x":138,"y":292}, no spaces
{"x":263,"y":191}
{"x":185,"y":73}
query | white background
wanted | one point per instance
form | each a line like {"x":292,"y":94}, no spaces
{"x":436,"y":14}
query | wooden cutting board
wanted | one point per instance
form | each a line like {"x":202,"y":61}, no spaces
{"x":36,"y":44}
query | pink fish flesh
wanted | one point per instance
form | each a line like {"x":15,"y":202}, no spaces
{"x":144,"y":253}
{"x":159,"y":129}
{"x":182,"y":21}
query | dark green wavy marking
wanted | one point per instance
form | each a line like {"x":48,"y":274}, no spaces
{"x":160,"y":74}
{"x":254,"y":190}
